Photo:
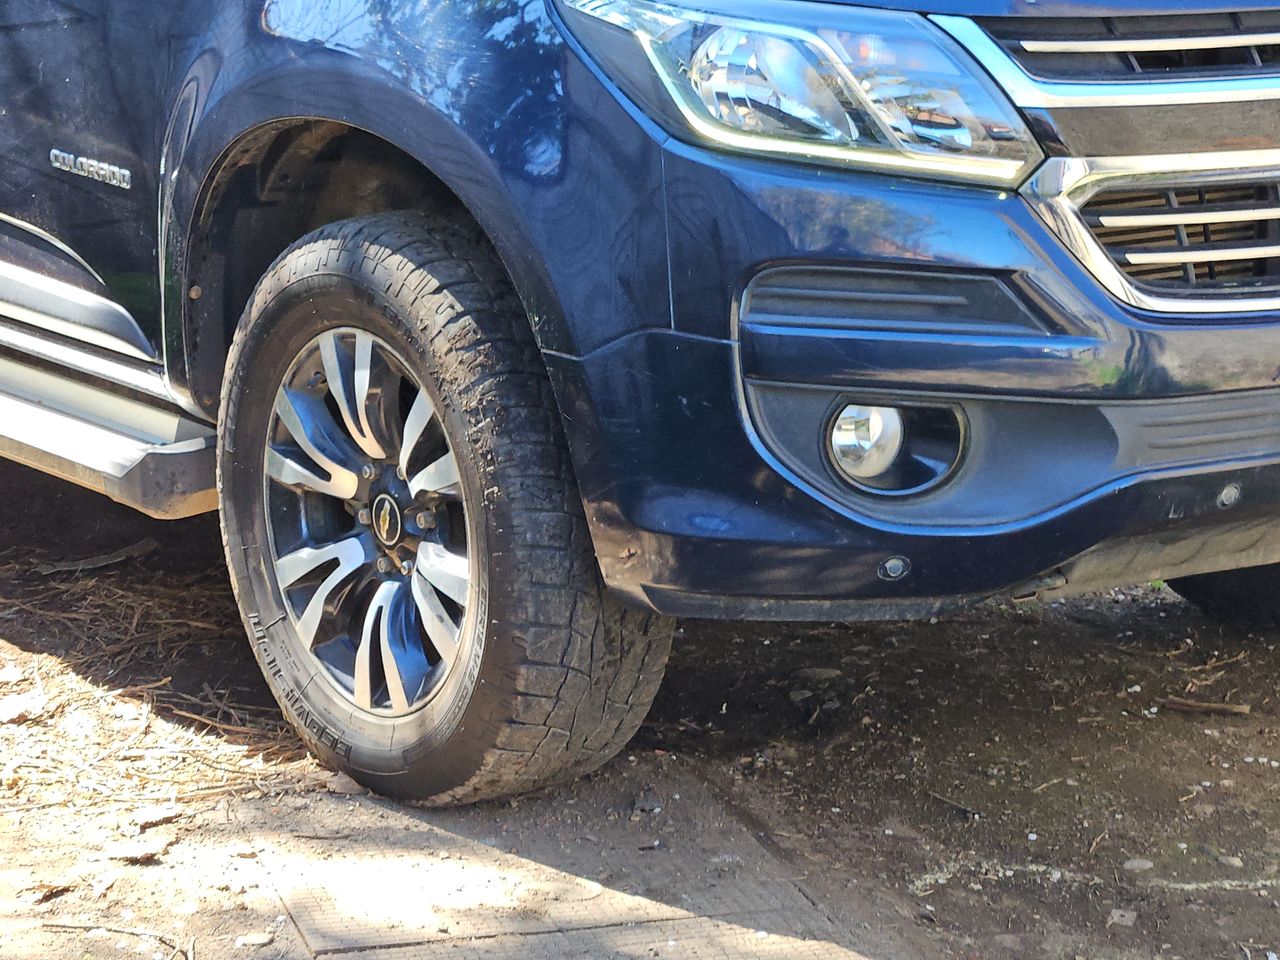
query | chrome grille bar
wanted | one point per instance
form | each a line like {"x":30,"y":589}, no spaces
{"x":1151,"y":44}
{"x":1188,"y":217}
{"x":1036,"y":79}
{"x":1202,"y":253}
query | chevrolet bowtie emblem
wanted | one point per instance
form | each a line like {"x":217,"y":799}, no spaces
{"x":386,"y":520}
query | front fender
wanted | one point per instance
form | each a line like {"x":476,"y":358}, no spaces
{"x":486,"y":95}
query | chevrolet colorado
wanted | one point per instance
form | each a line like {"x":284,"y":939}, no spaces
{"x":500,"y":332}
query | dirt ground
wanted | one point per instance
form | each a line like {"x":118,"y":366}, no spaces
{"x":1001,"y":784}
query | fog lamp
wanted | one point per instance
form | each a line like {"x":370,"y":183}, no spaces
{"x":866,"y":441}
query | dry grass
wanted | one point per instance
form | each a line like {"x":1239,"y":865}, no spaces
{"x":137,"y":704}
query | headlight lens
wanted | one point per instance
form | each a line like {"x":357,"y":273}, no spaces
{"x":825,"y":83}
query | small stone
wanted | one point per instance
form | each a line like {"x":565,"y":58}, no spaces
{"x":1229,"y":861}
{"x":340,"y":783}
{"x":1122,"y":918}
{"x":647,"y":802}
{"x":800,"y":696}
{"x":259,"y":938}
{"x":818,"y":674}
{"x":1138,"y":865}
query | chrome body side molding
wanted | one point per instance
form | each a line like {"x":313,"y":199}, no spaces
{"x":38,"y":301}
{"x":141,"y":377}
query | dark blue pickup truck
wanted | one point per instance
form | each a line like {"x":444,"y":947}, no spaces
{"x":500,"y":332}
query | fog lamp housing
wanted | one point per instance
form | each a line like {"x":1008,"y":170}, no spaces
{"x":893,"y":451}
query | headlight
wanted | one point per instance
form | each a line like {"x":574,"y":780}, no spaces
{"x":822,"y":82}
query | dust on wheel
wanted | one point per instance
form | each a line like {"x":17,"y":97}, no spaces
{"x":404,"y":533}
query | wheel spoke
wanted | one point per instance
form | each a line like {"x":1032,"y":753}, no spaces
{"x":404,"y":662}
{"x":415,"y":424}
{"x":440,"y":628}
{"x":353,"y":408}
{"x":450,"y":573}
{"x":349,"y":554}
{"x":375,"y":618}
{"x":439,"y":477}
{"x":294,"y":474}
{"x":313,"y":429}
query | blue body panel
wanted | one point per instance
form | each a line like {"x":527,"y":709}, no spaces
{"x":630,"y":251}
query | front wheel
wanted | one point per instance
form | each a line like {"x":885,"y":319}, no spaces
{"x":403,"y":530}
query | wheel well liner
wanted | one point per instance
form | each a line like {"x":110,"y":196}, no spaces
{"x":273,"y":185}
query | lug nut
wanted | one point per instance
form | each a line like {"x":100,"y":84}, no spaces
{"x":401,"y":474}
{"x":368,"y":472}
{"x":364,"y":516}
{"x":384,"y":565}
{"x":406,"y":567}
{"x":424,"y":520}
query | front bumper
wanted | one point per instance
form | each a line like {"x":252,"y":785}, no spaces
{"x":1106,"y":445}
{"x":691,"y":516}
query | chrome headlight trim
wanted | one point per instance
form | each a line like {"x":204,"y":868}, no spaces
{"x":925,"y":76}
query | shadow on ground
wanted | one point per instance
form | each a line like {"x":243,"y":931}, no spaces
{"x":1004,"y":783}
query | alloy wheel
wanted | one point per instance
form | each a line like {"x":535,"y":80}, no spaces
{"x":367,"y":522}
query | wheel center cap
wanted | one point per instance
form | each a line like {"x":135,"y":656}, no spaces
{"x":387,"y":523}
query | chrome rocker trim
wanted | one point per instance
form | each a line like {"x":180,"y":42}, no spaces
{"x":151,"y":458}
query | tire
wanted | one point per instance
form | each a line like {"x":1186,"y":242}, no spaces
{"x":1246,"y":596}
{"x":549,"y":676}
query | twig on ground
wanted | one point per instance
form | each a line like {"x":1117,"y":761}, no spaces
{"x":125,"y":931}
{"x":140,"y":549}
{"x":1183,"y":705}
{"x":955,"y":805}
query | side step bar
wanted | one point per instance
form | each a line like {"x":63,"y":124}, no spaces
{"x":149,"y":457}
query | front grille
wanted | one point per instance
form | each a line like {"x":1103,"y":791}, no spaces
{"x":1142,"y":48}
{"x":1192,"y":240}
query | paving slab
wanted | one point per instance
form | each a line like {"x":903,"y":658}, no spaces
{"x":698,"y":938}
{"x":590,"y":871}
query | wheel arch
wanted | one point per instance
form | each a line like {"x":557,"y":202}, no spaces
{"x":280,"y":177}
